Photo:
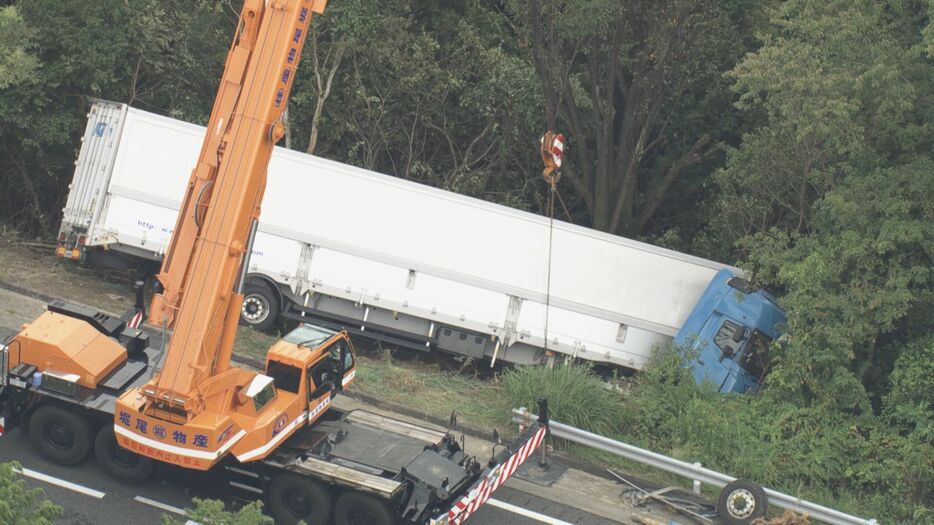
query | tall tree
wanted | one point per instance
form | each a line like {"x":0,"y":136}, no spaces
{"x":842,"y":86}
{"x":831,"y":195}
{"x":424,"y":90}
{"x":625,"y":80}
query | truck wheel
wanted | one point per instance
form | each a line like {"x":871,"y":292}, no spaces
{"x":294,"y":498}
{"x":60,"y":436}
{"x":119,"y":462}
{"x":741,"y":501}
{"x":353,"y":508}
{"x":260,"y":307}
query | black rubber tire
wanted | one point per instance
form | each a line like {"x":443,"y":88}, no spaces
{"x":260,"y":307}
{"x":61,"y":436}
{"x":353,"y":508}
{"x":120,"y":463}
{"x":741,"y":501}
{"x":294,"y":498}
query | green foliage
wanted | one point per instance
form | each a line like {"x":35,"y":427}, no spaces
{"x":575,"y":395}
{"x":17,"y":62}
{"x":21,"y":506}
{"x":163,"y":56}
{"x":638,"y":88}
{"x":910,"y":403}
{"x":842,"y":87}
{"x":857,"y":288}
{"x":212,"y":512}
{"x":856,"y":463}
{"x":429,"y":92}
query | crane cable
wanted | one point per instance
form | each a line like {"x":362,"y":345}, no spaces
{"x":552,"y":151}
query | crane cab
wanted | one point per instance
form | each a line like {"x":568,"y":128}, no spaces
{"x":313,"y":363}
{"x":312,"y":355}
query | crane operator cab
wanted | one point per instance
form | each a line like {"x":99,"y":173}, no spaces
{"x":314,"y":363}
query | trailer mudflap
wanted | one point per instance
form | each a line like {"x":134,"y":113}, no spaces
{"x":496,"y":474}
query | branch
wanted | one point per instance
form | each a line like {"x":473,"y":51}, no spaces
{"x":698,"y":152}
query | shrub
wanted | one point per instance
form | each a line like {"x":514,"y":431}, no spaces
{"x":576,"y":396}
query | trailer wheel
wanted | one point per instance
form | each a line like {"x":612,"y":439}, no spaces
{"x":741,"y":501}
{"x":294,"y":498}
{"x":260,"y":307}
{"x":353,"y":508}
{"x":60,"y":436}
{"x":119,"y":462}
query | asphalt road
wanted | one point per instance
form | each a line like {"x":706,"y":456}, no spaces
{"x":89,"y":496}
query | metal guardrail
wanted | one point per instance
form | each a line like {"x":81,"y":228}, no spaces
{"x":692,"y":471}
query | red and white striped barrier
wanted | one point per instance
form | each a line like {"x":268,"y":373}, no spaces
{"x":484,"y":488}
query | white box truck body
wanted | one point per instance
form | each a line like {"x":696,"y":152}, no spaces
{"x":389,"y":258}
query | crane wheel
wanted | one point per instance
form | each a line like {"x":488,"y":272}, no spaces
{"x":741,"y":501}
{"x":294,"y":498}
{"x":260,"y":306}
{"x":120,"y":463}
{"x":60,"y":436}
{"x":353,"y":508}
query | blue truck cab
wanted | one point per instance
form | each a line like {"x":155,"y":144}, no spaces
{"x":728,"y":334}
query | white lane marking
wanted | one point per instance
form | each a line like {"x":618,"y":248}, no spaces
{"x":525,"y":512}
{"x":159,"y":505}
{"x":52,"y":480}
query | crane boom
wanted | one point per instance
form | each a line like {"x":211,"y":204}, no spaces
{"x":223,"y":197}
{"x":198,"y":407}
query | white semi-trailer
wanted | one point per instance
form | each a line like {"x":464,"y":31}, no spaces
{"x":410,"y":264}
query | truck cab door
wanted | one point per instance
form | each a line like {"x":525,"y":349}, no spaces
{"x":321,"y":388}
{"x":343,"y":354}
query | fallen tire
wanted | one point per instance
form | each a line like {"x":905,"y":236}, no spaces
{"x":260,"y":307}
{"x":293,"y":498}
{"x":60,"y":436}
{"x":353,"y":508}
{"x":741,"y":501}
{"x":119,"y":462}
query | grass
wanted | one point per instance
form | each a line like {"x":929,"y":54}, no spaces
{"x":429,"y":389}
{"x":576,"y":397}
{"x":419,"y":386}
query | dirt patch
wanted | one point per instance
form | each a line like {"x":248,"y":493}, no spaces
{"x":33,"y":265}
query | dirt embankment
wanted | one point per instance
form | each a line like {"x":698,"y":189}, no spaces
{"x":32,"y":265}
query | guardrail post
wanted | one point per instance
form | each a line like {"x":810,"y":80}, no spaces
{"x":543,"y":420}
{"x":697,"y":485}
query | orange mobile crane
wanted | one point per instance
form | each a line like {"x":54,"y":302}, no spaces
{"x":78,"y":378}
{"x":198,"y":393}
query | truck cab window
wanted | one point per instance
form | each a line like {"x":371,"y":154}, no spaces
{"x":286,"y":377}
{"x":726,"y":338}
{"x":339,"y":352}
{"x":319,"y":375}
{"x":755,"y":359}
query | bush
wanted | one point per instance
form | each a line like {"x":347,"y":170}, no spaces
{"x":910,"y":402}
{"x":21,"y":506}
{"x":576,"y":396}
{"x":853,"y":462}
{"x":213,"y":512}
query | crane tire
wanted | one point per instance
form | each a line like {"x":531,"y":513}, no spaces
{"x":294,"y":499}
{"x":120,"y":463}
{"x":741,"y":501}
{"x":353,"y":508}
{"x":260,"y":307}
{"x":61,"y":436}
